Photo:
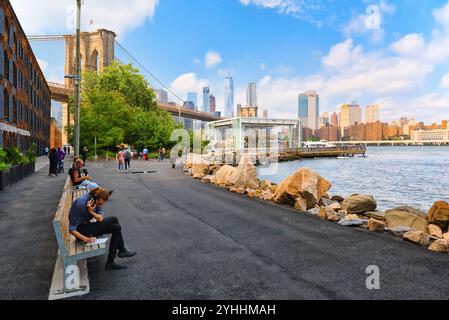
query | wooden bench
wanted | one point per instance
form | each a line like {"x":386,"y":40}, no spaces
{"x":71,"y":250}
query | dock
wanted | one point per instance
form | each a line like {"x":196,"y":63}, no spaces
{"x":264,"y":156}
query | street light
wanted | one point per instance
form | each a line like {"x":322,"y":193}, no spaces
{"x":77,"y":78}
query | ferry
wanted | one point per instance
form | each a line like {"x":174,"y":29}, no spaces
{"x":321,"y":144}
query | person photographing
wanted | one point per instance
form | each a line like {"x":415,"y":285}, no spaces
{"x":89,"y":207}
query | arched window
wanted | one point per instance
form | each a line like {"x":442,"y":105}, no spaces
{"x":94,"y":61}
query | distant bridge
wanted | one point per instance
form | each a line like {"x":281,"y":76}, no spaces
{"x":392,"y":143}
{"x":98,"y":50}
{"x":61,"y":93}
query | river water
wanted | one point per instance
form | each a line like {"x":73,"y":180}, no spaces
{"x":416,"y":176}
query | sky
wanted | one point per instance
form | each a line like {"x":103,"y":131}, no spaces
{"x":391,"y":53}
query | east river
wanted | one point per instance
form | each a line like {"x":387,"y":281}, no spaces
{"x":416,"y":176}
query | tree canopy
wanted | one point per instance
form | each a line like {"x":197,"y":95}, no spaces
{"x":119,"y":106}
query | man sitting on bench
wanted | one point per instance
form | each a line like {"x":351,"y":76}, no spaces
{"x":78,"y":179}
{"x":81,"y":213}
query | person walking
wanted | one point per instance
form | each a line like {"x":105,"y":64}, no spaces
{"x":61,"y":157}
{"x":121,"y":160}
{"x":128,"y":158}
{"x":84,"y":154}
{"x":46,"y":150}
{"x":53,"y":158}
{"x":81,"y":215}
{"x":145,"y":154}
{"x":65,"y":149}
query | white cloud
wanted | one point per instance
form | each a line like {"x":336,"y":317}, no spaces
{"x":300,"y":9}
{"x":410,"y":45}
{"x":212,"y":59}
{"x":188,"y":82}
{"x":342,"y":55}
{"x":445,"y":82}
{"x":50,"y":16}
{"x":442,"y":16}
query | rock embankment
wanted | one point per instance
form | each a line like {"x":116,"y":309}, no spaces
{"x":308,"y":192}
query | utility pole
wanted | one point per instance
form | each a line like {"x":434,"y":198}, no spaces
{"x":77,"y":78}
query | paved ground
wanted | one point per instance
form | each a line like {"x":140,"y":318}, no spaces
{"x":28,"y":246}
{"x":196,"y":241}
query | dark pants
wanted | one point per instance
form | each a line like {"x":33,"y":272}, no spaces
{"x":108,"y":226}
{"x":127,"y":164}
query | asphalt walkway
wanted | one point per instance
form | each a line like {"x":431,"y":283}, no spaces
{"x":197,"y":241}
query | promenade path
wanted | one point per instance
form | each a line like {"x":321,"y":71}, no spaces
{"x":197,"y":241}
{"x":28,"y":247}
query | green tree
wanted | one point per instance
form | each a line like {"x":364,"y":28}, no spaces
{"x":127,"y":81}
{"x":119,"y":106}
{"x":105,"y":115}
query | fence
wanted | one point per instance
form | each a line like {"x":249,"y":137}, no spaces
{"x":15,"y":174}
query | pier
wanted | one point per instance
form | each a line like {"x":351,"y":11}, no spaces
{"x":266,"y":156}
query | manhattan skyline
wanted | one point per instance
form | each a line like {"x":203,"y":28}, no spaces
{"x":398,"y":60}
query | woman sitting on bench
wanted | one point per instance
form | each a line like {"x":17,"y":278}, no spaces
{"x":81,"y":213}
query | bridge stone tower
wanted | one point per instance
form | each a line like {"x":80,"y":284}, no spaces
{"x":97,"y":52}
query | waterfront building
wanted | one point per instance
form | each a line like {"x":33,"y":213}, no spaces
{"x":188,"y":123}
{"x":357,"y":132}
{"x":206,"y":99}
{"x":372,"y":113}
{"x":193,"y":96}
{"x":25,"y":103}
{"x":421,"y":135}
{"x":242,"y":133}
{"x":309,"y":109}
{"x":376,"y":131}
{"x":329,"y":133}
{"x":229,"y":97}
{"x":161,"y":96}
{"x":212,"y":104}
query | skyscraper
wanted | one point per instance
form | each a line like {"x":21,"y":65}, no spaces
{"x":309,"y":109}
{"x":193,"y":97}
{"x":251,"y":95}
{"x":349,"y":116}
{"x":212,"y":104}
{"x":206,"y":99}
{"x":229,"y":97}
{"x":372,"y":113}
{"x":161,"y":95}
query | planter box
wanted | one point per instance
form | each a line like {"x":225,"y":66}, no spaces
{"x":15,"y":174}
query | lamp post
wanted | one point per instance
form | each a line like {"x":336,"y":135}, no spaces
{"x":77,"y":78}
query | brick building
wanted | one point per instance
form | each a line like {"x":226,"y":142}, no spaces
{"x":329,"y":133}
{"x":55,"y":134}
{"x":25,"y":104}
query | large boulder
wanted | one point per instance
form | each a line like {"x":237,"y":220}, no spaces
{"x":222,"y":175}
{"x":406,"y":217}
{"x":419,"y":237}
{"x":304,"y":183}
{"x":200,"y":170}
{"x":376,"y":225}
{"x":440,"y":245}
{"x":439,"y":214}
{"x":357,"y":203}
{"x":245,"y":175}
{"x":435,"y":231}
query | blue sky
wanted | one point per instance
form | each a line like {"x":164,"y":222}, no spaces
{"x":394,"y":53}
